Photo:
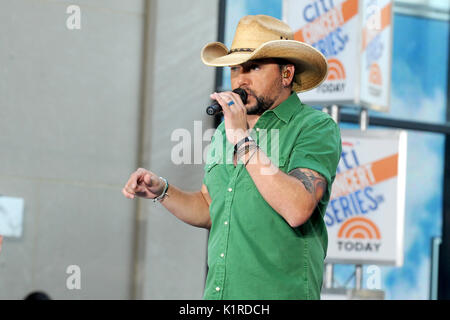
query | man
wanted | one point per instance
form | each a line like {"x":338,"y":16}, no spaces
{"x":265,"y":212}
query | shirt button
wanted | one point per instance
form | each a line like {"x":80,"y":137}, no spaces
{"x":222,"y":255}
{"x":257,"y":129}
{"x":229,"y":189}
{"x":217,"y":289}
{"x":226,"y":222}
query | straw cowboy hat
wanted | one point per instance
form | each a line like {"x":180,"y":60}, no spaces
{"x":261,"y":36}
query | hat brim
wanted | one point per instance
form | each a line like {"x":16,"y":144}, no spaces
{"x":310,"y":64}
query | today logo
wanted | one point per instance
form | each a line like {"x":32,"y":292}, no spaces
{"x":359,"y":234}
{"x":336,"y":70}
{"x":375,"y":74}
{"x":335,"y":79}
{"x":375,"y":80}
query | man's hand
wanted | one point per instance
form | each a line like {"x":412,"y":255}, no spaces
{"x":235,"y":115}
{"x":143,"y":183}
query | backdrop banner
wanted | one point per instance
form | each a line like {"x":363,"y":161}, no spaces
{"x":365,"y":215}
{"x":356,"y":38}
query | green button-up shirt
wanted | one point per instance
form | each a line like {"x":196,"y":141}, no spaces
{"x":253,"y":253}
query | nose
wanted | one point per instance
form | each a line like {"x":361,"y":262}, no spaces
{"x":243,"y":79}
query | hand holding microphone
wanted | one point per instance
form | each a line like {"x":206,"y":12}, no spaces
{"x":234,"y":113}
{"x":216,"y":108}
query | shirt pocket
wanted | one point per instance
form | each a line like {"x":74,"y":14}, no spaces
{"x":211,"y":166}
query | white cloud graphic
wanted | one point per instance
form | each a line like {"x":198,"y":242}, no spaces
{"x":423,"y":202}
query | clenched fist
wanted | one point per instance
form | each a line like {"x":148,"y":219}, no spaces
{"x":144,"y":184}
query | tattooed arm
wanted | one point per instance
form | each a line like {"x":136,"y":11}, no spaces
{"x":294,"y":196}
{"x":314,"y":183}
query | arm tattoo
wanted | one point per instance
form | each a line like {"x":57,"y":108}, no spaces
{"x":312,"y":180}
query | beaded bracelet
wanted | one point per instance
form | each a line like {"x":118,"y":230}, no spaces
{"x":245,"y":149}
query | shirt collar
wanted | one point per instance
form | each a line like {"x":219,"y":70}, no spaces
{"x":285,"y":110}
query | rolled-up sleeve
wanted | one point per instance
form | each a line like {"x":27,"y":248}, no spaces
{"x":318,"y":147}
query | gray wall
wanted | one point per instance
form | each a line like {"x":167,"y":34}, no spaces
{"x":79,"y":111}
{"x":180,"y":85}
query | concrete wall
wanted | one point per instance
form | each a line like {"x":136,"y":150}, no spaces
{"x":79,"y":111}
{"x":180,"y":84}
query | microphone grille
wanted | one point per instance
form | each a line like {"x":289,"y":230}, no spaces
{"x":242,"y":93}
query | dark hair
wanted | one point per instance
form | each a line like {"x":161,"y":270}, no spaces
{"x":37,"y":295}
{"x":282,"y":62}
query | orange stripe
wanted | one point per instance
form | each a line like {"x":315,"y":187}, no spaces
{"x":348,"y":9}
{"x":385,"y":168}
{"x":299,"y":35}
{"x":365,"y":175}
{"x":386,"y":16}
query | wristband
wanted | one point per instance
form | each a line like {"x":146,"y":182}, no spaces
{"x":245,"y":149}
{"x":257,"y":148}
{"x":164,"y":193}
{"x":241,"y":142}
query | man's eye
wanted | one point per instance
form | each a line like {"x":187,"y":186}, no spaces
{"x":254,"y":67}
{"x":234,"y":69}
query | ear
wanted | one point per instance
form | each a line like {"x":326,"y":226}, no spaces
{"x":287,"y":74}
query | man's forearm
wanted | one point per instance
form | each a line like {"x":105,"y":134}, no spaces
{"x":189,"y":207}
{"x":285,"y":194}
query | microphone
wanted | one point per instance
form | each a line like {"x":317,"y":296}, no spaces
{"x":216,"y":107}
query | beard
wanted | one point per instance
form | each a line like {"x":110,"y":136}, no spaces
{"x":263,"y":103}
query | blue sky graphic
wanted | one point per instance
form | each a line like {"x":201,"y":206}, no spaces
{"x":419,"y":77}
